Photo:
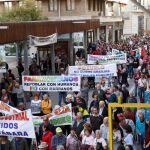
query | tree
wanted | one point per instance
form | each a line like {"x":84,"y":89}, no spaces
{"x":27,"y":11}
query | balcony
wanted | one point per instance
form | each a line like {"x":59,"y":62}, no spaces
{"x":65,"y":18}
{"x":105,"y":19}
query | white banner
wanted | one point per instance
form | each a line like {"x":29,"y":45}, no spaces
{"x":2,"y":59}
{"x":41,"y":41}
{"x":51,"y":83}
{"x":7,"y":109}
{"x":94,"y":70}
{"x":107,"y":59}
{"x":17,"y":125}
{"x":116,"y":52}
{"x":61,"y":116}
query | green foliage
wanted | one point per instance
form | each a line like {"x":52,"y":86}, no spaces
{"x":28,"y":11}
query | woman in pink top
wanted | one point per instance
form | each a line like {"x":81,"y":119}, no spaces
{"x":72,"y":140}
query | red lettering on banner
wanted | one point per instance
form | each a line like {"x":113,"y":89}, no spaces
{"x":20,"y":116}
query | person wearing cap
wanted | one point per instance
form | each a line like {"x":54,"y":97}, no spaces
{"x":50,"y":126}
{"x":58,"y":139}
{"x":123,"y":121}
{"x":43,"y":146}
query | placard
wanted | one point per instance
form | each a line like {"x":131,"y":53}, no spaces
{"x":94,"y":70}
{"x":41,"y":41}
{"x":61,"y":116}
{"x":17,"y":125}
{"x":51,"y":83}
{"x":107,"y":59}
{"x":7,"y":109}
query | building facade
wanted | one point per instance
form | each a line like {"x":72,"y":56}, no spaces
{"x":108,"y":11}
{"x":136,"y":20}
{"x":111,"y":20}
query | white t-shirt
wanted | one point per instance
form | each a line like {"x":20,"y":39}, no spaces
{"x":128,"y":139}
{"x":88,"y":140}
{"x":101,"y":140}
{"x":142,"y":82}
{"x":104,"y":130}
{"x":36,"y":107}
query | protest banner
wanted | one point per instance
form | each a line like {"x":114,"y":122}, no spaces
{"x":116,"y":52}
{"x":107,"y":59}
{"x":147,"y":101}
{"x":61,"y":116}
{"x":94,"y":70}
{"x":51,"y":83}
{"x":7,"y":109}
{"x":17,"y":125}
{"x":2,"y":59}
{"x":41,"y":41}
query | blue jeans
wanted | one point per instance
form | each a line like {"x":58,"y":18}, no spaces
{"x":130,"y":71}
{"x":136,"y":88}
{"x":62,"y":95}
{"x":141,"y":92}
{"x":141,"y":141}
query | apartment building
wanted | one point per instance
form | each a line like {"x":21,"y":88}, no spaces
{"x":108,"y":11}
{"x":111,"y":20}
{"x":136,"y":20}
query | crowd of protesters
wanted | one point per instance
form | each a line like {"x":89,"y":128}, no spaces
{"x":90,"y":127}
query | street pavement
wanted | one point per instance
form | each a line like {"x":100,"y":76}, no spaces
{"x":12,"y":62}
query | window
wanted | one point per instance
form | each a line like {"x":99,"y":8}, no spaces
{"x":39,"y":4}
{"x":53,"y":5}
{"x":89,"y":5}
{"x":70,"y":4}
{"x":94,"y":5}
{"x":8,"y":5}
{"x":98,"y":5}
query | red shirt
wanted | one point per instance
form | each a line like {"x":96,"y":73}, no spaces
{"x":147,"y":136}
{"x":48,"y":138}
{"x":131,"y":116}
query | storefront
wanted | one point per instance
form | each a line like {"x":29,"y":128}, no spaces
{"x":17,"y":32}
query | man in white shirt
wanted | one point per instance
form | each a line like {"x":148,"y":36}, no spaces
{"x":142,"y":85}
{"x":104,"y":128}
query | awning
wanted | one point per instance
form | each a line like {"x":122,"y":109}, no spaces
{"x":20,"y":31}
{"x":119,"y":1}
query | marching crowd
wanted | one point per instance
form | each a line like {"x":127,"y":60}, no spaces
{"x":90,"y":127}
